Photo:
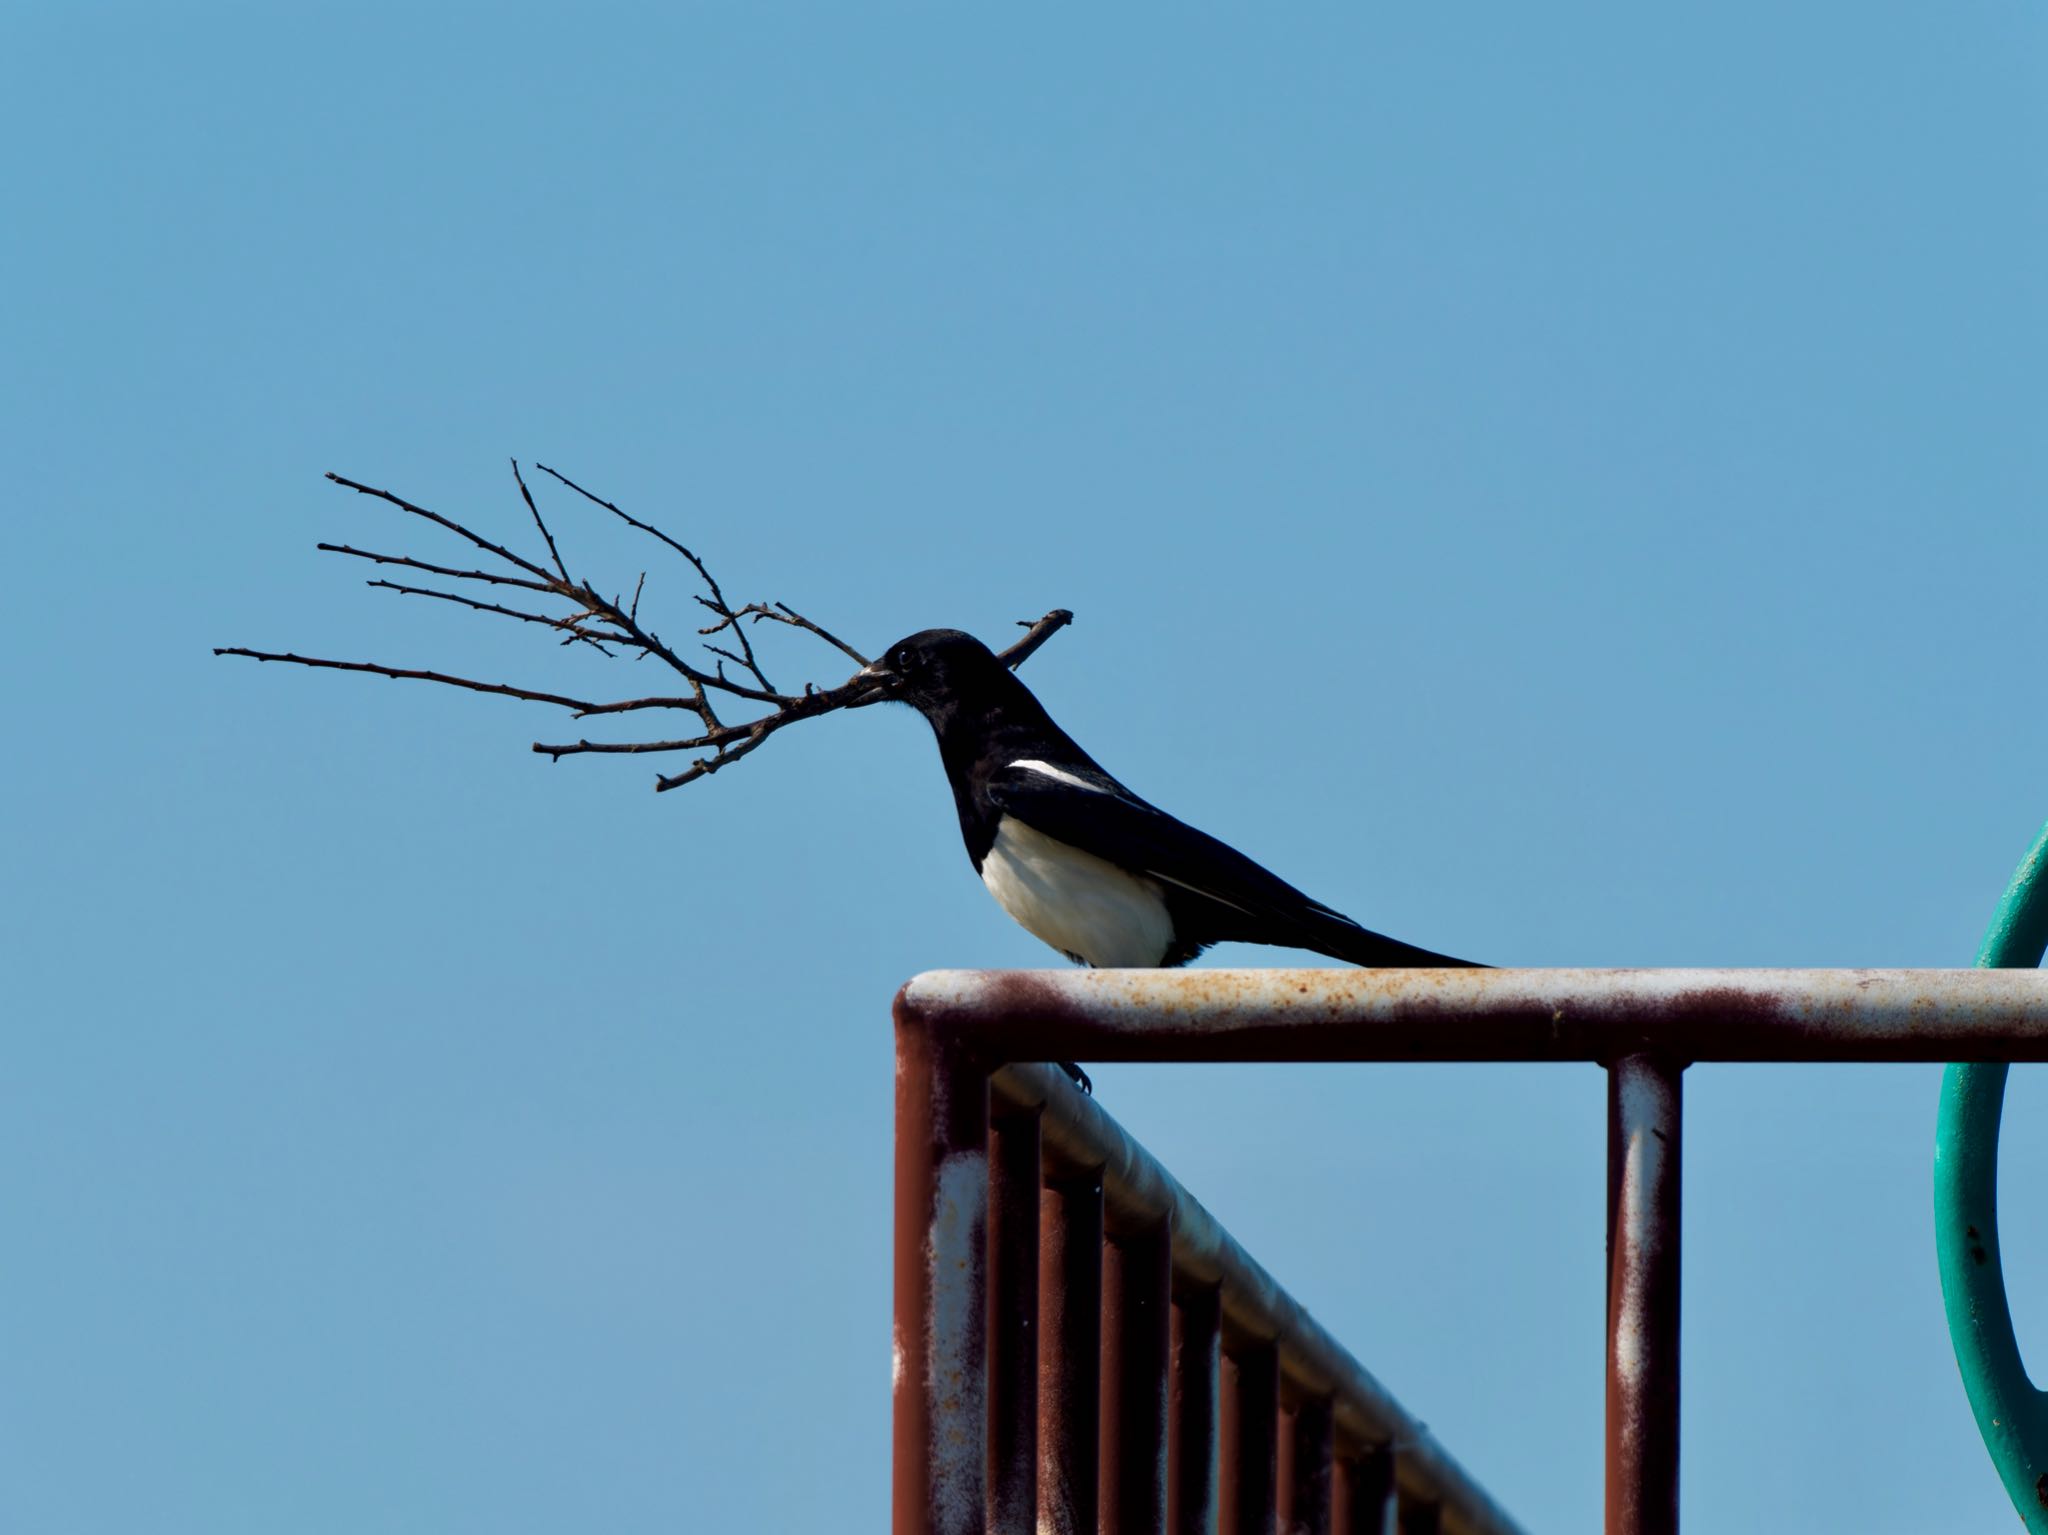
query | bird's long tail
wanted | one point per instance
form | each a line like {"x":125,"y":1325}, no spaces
{"x":1356,"y":945}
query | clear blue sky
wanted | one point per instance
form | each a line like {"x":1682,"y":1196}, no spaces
{"x":1564,"y":486}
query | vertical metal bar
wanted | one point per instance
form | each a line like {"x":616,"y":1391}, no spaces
{"x":1014,"y":1180}
{"x":1283,"y":1465}
{"x":1069,"y":1353}
{"x":1644,"y":1125}
{"x":940,"y":1422}
{"x":1249,"y":1421}
{"x":1420,"y":1516}
{"x":1137,"y":1304}
{"x":1303,"y":1502}
{"x":1191,"y":1414}
{"x":1362,"y":1494}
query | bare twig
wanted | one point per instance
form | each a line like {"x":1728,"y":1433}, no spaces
{"x":581,"y":706}
{"x":704,"y":767}
{"x":612,"y":624}
{"x":539,"y":522}
{"x":439,"y":570}
{"x":454,"y":527}
{"x":627,"y":517}
{"x":783,"y":613}
{"x":715,"y":602}
{"x":729,"y":741}
{"x":581,"y":593}
{"x":628,"y":705}
{"x":557,"y":751}
{"x":1040,"y":631}
{"x":570,"y":624}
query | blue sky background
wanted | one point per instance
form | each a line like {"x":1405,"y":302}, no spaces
{"x":1562,"y":485}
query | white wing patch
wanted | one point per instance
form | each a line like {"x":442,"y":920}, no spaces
{"x":1082,"y":905}
{"x":1033,"y":765}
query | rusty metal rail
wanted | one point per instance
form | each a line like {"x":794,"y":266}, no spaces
{"x":1345,"y":1424}
{"x":1487,"y":1015}
{"x":1080,"y":1348}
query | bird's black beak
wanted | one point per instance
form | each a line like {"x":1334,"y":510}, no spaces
{"x":881,"y":685}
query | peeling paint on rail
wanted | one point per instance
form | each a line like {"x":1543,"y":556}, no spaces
{"x":953,"y":1370}
{"x":1499,"y":1015}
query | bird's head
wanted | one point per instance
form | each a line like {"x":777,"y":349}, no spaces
{"x":932,"y":671}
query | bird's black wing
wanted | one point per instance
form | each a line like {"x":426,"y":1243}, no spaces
{"x":1213,"y":890}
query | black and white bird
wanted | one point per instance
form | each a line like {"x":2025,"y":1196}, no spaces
{"x":1083,"y":863}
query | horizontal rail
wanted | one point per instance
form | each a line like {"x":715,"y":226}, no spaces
{"x":1138,"y":1193}
{"x":1495,"y":1015}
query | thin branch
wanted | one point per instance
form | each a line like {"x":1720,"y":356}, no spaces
{"x":439,"y":570}
{"x":824,"y":701}
{"x":716,"y":602}
{"x":783,"y":613}
{"x":809,"y":706}
{"x":627,"y":517}
{"x":627,"y":705}
{"x":527,"y":496}
{"x":580,"y":705}
{"x":450,"y":524}
{"x":704,"y":767}
{"x":1040,"y":631}
{"x":586,"y":595}
{"x":647,"y":640}
{"x":570,"y":624}
{"x":559,"y":750}
{"x":727,"y":619}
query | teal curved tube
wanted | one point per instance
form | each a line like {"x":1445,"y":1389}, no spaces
{"x":2012,"y":1414}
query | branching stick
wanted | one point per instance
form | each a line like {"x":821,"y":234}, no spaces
{"x":612,"y":626}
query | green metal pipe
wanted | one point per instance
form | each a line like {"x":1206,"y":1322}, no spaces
{"x":2012,"y":1414}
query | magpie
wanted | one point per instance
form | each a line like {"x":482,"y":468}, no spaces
{"x":1085,"y":865}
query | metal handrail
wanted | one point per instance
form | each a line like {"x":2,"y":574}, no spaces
{"x":1486,"y":1015}
{"x":1140,"y":1191}
{"x":1644,"y":1026}
{"x":2012,"y":1414}
{"x":1079,"y":1347}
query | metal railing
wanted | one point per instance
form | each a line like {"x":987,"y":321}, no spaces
{"x":1081,"y":1347}
{"x":1033,"y":1359}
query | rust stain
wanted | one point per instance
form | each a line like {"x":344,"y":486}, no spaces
{"x":1597,"y":1015}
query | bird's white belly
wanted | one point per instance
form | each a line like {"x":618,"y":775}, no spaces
{"x":1080,"y":904}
